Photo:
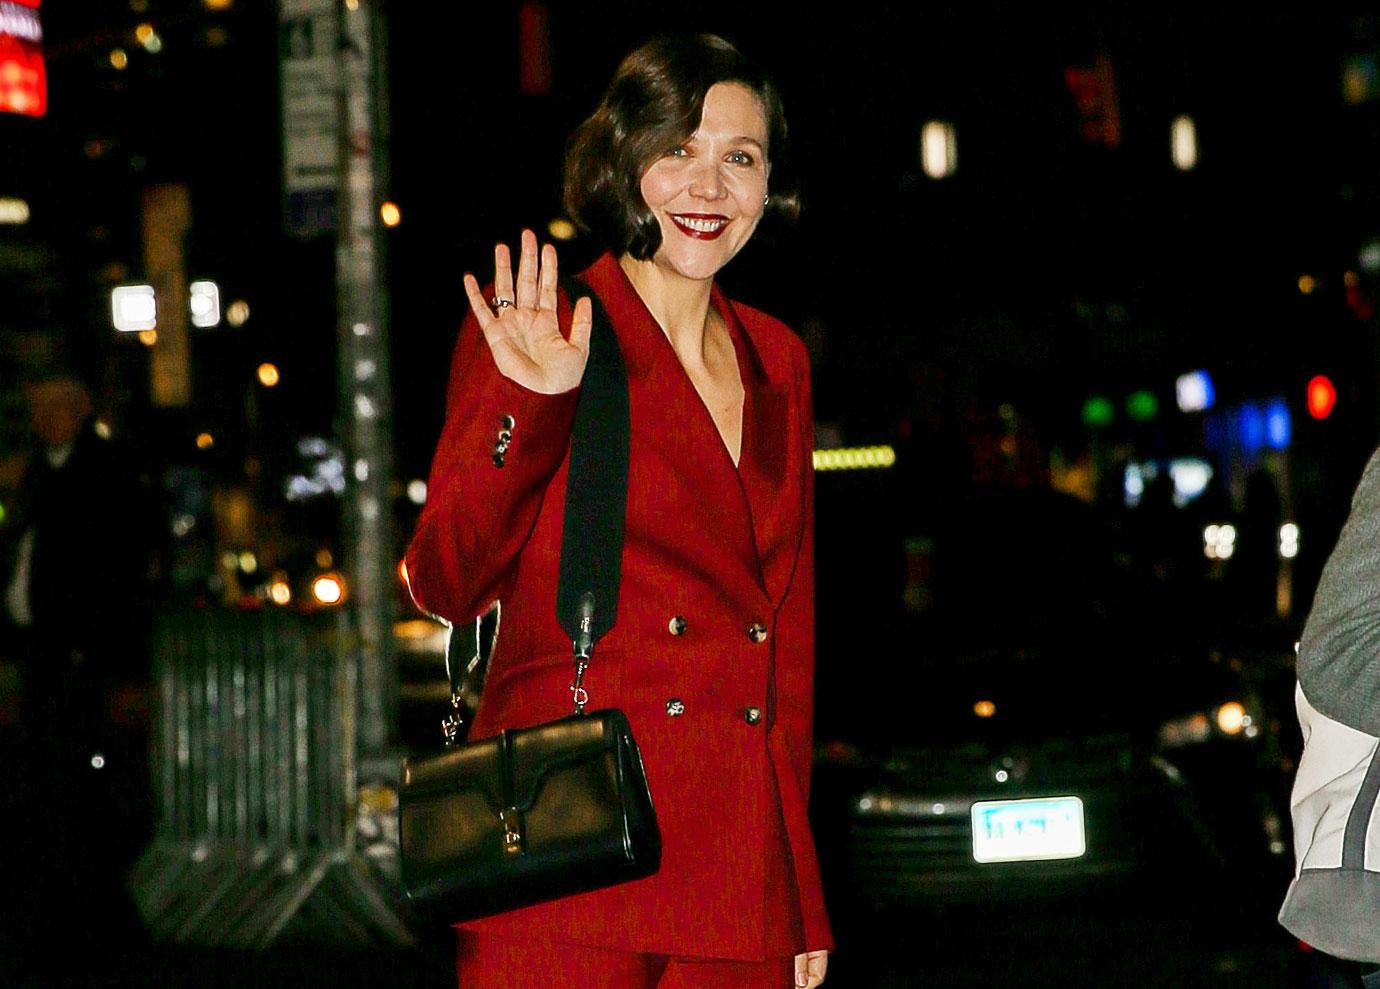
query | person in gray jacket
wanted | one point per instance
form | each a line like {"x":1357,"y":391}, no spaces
{"x":1333,"y":903}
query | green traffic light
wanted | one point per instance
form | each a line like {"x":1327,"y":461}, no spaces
{"x":1142,"y":406}
{"x":1098,"y":411}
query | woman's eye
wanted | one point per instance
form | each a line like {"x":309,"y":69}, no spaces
{"x":740,"y":158}
{"x":678,"y":153}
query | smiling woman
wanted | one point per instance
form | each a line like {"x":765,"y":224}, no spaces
{"x":711,"y":657}
{"x":653,"y":109}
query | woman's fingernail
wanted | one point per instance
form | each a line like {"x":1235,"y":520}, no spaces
{"x":801,"y":978}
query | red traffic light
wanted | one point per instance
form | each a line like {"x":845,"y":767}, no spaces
{"x":1322,"y":397}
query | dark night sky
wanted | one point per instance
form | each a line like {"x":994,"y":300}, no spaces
{"x":982,"y":271}
{"x":1044,"y":270}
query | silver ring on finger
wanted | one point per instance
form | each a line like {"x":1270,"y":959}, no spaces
{"x":501,"y":304}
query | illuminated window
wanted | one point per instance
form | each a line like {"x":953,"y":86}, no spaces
{"x":1184,"y":143}
{"x":938,"y":149}
{"x":14,"y":211}
{"x":133,"y":308}
{"x":204,"y":302}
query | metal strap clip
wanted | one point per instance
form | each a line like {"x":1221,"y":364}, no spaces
{"x":584,"y":647}
{"x":512,"y":832}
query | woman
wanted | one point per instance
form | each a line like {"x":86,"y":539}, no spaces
{"x":712,"y":653}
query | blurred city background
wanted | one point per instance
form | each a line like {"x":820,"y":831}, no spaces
{"x":1090,"y":295}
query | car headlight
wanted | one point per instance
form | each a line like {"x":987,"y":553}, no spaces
{"x":1231,"y":720}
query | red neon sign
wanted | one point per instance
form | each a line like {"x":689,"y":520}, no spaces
{"x":23,"y":79}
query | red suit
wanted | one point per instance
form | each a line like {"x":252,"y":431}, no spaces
{"x":712,"y":654}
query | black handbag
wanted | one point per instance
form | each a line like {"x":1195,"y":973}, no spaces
{"x":534,"y":814}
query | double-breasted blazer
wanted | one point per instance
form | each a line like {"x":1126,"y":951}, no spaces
{"x":712,"y":653}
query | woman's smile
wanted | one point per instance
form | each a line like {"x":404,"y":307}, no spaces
{"x":701,"y":226}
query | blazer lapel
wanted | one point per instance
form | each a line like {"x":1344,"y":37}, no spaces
{"x":770,"y":462}
{"x":668,"y":410}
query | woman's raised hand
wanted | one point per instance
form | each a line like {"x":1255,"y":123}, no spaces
{"x":523,"y":333}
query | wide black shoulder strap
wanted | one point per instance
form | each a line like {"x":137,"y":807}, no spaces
{"x":596,"y":494}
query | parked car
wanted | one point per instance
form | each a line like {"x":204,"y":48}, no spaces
{"x":1039,"y":717}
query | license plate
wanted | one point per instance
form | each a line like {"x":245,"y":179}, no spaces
{"x":1028,"y":830}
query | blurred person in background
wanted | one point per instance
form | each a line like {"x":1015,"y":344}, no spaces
{"x":75,"y":565}
{"x":712,"y":654}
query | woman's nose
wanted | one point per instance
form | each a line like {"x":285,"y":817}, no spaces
{"x":707,"y":182}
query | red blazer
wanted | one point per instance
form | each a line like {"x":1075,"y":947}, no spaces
{"x":721,"y":705}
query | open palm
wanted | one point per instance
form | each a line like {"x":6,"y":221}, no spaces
{"x":524,"y":335}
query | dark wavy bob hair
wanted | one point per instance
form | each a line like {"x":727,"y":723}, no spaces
{"x":652,"y":106}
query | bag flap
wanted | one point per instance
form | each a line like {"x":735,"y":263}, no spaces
{"x":475,"y":766}
{"x":540,"y":751}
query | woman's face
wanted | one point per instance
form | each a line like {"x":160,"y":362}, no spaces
{"x":708,"y":194}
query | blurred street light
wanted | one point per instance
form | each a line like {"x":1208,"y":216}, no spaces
{"x":118,"y":59}
{"x":1322,"y":396}
{"x":1142,"y":406}
{"x":938,"y":149}
{"x":328,"y":589}
{"x":204,"y":441}
{"x":13,"y":211}
{"x":237,"y":313}
{"x":856,"y":458}
{"x":268,"y":375}
{"x":1369,"y":257}
{"x":1232,"y":718}
{"x":148,"y":337}
{"x":1184,"y":143}
{"x":390,"y":214}
{"x":1098,"y":411}
{"x":133,"y":308}
{"x":1307,"y":283}
{"x":561,"y":229}
{"x":1194,"y":391}
{"x":205,"y":303}
{"x":1289,"y":540}
{"x":1219,"y":541}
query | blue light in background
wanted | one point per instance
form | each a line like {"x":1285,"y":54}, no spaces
{"x":1251,"y":427}
{"x":1278,"y":425}
{"x":1216,"y":429}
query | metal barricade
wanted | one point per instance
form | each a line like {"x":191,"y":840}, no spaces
{"x":254,"y":783}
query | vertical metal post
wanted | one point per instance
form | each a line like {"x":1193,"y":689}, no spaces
{"x":365,"y":405}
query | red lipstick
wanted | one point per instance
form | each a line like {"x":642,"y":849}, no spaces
{"x":701,"y":226}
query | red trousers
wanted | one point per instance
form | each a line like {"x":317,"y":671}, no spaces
{"x":484,"y":962}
